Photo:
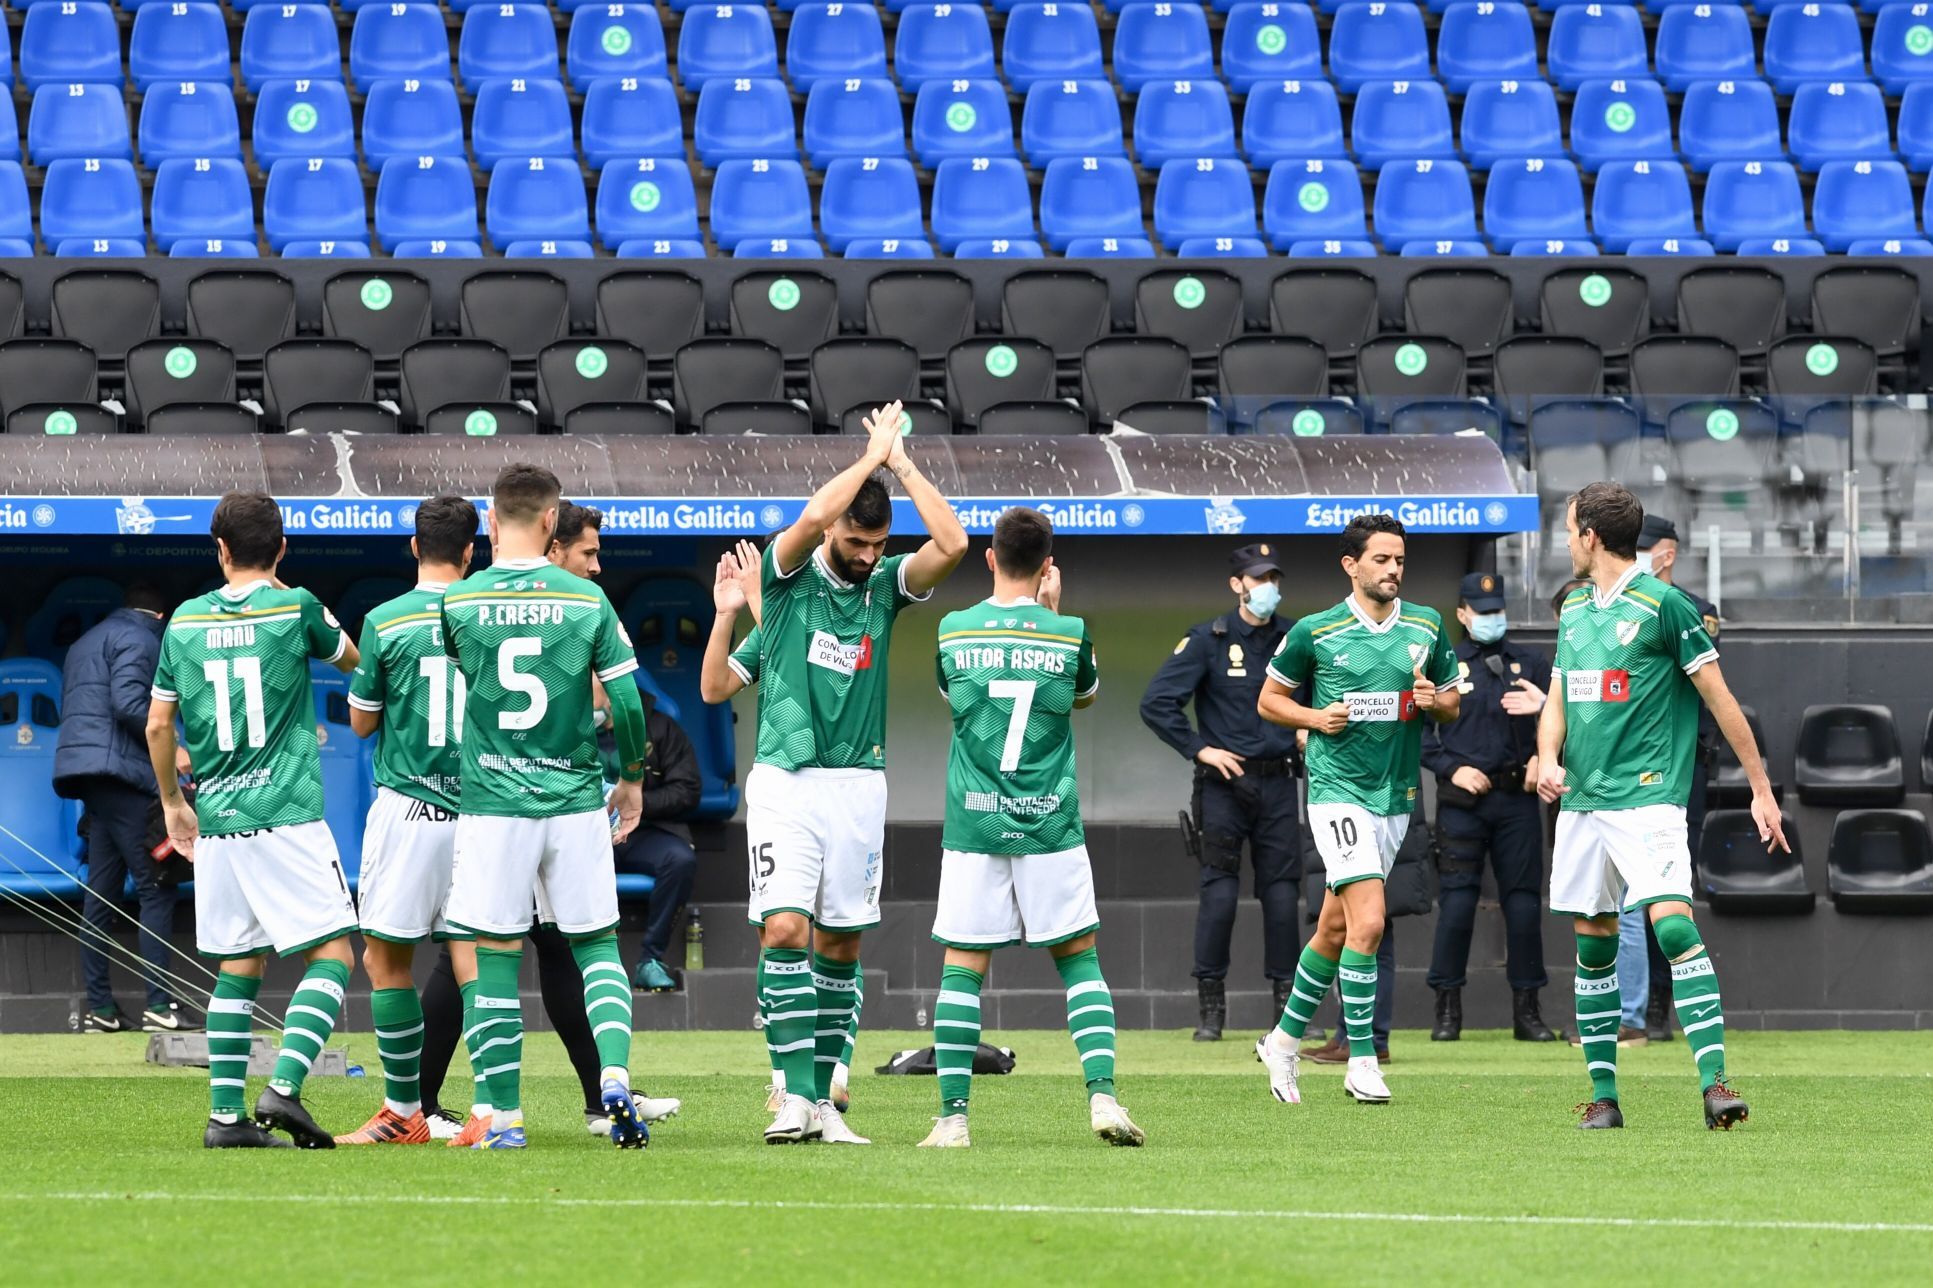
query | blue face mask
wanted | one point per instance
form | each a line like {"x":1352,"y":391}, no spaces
{"x":1488,"y":628}
{"x":1262,"y":600}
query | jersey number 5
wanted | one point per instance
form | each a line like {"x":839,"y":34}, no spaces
{"x":249,"y":671}
{"x":1022,"y":694}
{"x":514,"y":681}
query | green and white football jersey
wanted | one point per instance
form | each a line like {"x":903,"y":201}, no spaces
{"x":236,"y":660}
{"x":1341,"y":655}
{"x":1011,"y":673}
{"x":822,"y":695}
{"x":527,"y":637}
{"x":748,"y":659}
{"x":1624,"y":667}
{"x":407,"y":674}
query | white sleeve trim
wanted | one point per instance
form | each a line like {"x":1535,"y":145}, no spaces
{"x":364,"y":704}
{"x":342,"y":646}
{"x":899,"y":575}
{"x":166,"y":695}
{"x":1273,"y":674}
{"x":623,"y":668}
{"x":1092,"y":691}
{"x":778,"y":569}
{"x":738,"y":670}
{"x":1709,"y":655}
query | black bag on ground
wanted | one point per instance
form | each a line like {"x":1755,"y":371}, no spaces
{"x":988,"y":1059}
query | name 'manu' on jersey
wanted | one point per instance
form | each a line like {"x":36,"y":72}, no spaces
{"x":1012,"y":673}
{"x":527,"y":637}
{"x":236,"y":660}
{"x":822,"y":685}
{"x":406,"y":673}
{"x":1341,"y":655}
{"x":1624,"y":667}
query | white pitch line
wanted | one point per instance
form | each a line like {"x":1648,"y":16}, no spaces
{"x":1003,"y":1209}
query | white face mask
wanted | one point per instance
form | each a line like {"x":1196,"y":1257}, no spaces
{"x":1644,"y":562}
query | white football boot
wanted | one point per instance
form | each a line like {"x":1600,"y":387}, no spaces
{"x":1364,"y":1082}
{"x":949,"y":1132}
{"x":1281,"y":1055}
{"x":833,"y":1129}
{"x":1111,"y":1122}
{"x":795,"y":1122}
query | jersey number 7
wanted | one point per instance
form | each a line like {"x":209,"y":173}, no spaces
{"x":1022,"y":694}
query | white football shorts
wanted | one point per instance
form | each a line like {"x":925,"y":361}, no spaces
{"x":1607,"y":860}
{"x":564,"y":862}
{"x":991,"y":900}
{"x":1354,"y":843}
{"x":408,"y":851}
{"x":279,"y":887}
{"x":816,"y":840}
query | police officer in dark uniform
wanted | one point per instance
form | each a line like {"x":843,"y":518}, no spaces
{"x":1486,"y":803}
{"x":1245,"y":777}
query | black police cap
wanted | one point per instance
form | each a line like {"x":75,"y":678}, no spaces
{"x":1656,"y":528}
{"x":1483,"y":592}
{"x":1254,"y":560}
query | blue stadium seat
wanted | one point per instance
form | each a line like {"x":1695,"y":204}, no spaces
{"x":1183,"y":119}
{"x":1485,"y":42}
{"x":834,"y":40}
{"x":9,"y":129}
{"x":1089,"y":197}
{"x":39,"y":858}
{"x":78,"y":121}
{"x":16,"y":213}
{"x":972,"y":120}
{"x":1111,"y":248}
{"x":1620,"y":120}
{"x":1705,"y":42}
{"x":1728,"y":121}
{"x":1400,"y":120}
{"x":1838,"y":121}
{"x":1891,"y":246}
{"x":778,"y":248}
{"x":506,"y":40}
{"x":726,"y":40}
{"x":437,"y":248}
{"x":1916,"y":127}
{"x":1813,"y":42}
{"x":646,"y":201}
{"x":1902,"y":51}
{"x":1203,"y":197}
{"x":1424,"y":201}
{"x":310,"y":249}
{"x":1509,"y":119}
{"x":166,"y":45}
{"x":1534,"y":200}
{"x":292,"y":119}
{"x":743,"y":116}
{"x":999,"y":248}
{"x":1857,"y":201}
{"x":1274,"y":41}
{"x":1565,"y":247}
{"x":1370,"y":42}
{"x":1596,"y":42}
{"x":392,"y":42}
{"x":1676,"y":247}
{"x":1221,"y":248}
{"x":100,"y":248}
{"x":1333,"y":249}
{"x":759,"y":200}
{"x":537,"y":248}
{"x":345,"y":786}
{"x":537,"y":199}
{"x":243,"y":6}
{"x":614,"y":40}
{"x":426,"y":199}
{"x":1071,"y":118}
{"x":857,"y":117}
{"x":1745,"y":200}
{"x":314,"y":199}
{"x":62,"y":44}
{"x":196,"y":198}
{"x":626,"y":118}
{"x":214,"y":248}
{"x":675,"y":668}
{"x":1161,"y":42}
{"x":521,"y":118}
{"x":1313,"y":201}
{"x":1291,"y":120}
{"x":89,"y":199}
{"x":870,"y":197}
{"x":1050,"y":42}
{"x":1784,"y":246}
{"x":942,"y":42}
{"x":411,"y":118}
{"x":289,"y":42}
{"x":1445,"y":248}
{"x":1641,"y":200}
{"x":662,"y":248}
{"x":888,"y":248}
{"x":981,"y":199}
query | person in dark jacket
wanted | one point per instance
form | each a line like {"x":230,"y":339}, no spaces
{"x":661,"y":845}
{"x":101,"y":760}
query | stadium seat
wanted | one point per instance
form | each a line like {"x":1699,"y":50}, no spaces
{"x":1485,"y":42}
{"x":793,"y":312}
{"x":1848,"y":755}
{"x":1394,"y":369}
{"x":1292,"y":120}
{"x":1471,"y":308}
{"x":292,"y":119}
{"x":709,"y":372}
{"x":1666,"y":369}
{"x":311,"y":373}
{"x":76,"y":43}
{"x":857,"y":117}
{"x":1862,"y":201}
{"x":16,"y":214}
{"x":743,"y":116}
{"x":1879,"y":306}
{"x":44,"y":370}
{"x":942,"y":42}
{"x":520,"y":118}
{"x":833,"y":41}
{"x":1637,"y":200}
{"x":426,"y":199}
{"x":1424,"y":201}
{"x":201,"y":197}
{"x":1201,"y":310}
{"x":647,"y":200}
{"x":1705,"y":42}
{"x":91,"y":200}
{"x":10,"y":132}
{"x":1183,"y":119}
{"x":729,"y":40}
{"x":406,"y":119}
{"x":1256,"y":370}
{"x":860,"y":373}
{"x":1915,"y":128}
{"x":1881,"y":861}
{"x":1838,"y":121}
{"x":661,"y":248}
{"x":1334,"y":307}
{"x":968,"y":118}
{"x":1801,"y":370}
{"x":1737,"y":875}
{"x":1070,"y":118}
{"x":1503,"y":119}
{"x":177,"y":43}
{"x":315,"y":199}
{"x":759,"y":200}
{"x":1274,"y":41}
{"x":1400,"y":121}
{"x":398,"y":42}
{"x":289,"y":42}
{"x":1119,"y":371}
{"x":1805,"y":42}
{"x":661,"y":616}
{"x":1161,"y":42}
{"x":1309,"y":418}
{"x":1596,"y":42}
{"x":38,"y":853}
{"x":1375,"y":43}
{"x":982,"y":374}
{"x":1619,"y":120}
{"x":980,"y":199}
{"x":612,"y":41}
{"x":1313,"y":201}
{"x":1089,"y":197}
{"x":573,"y":373}
{"x":179,"y":369}
{"x":1752,"y":199}
{"x":1728,"y":787}
{"x":437,"y":373}
{"x":1206,"y":197}
{"x":930,"y":310}
{"x":506,"y":40}
{"x":215,"y":248}
{"x":244,"y":311}
{"x":625,"y":119}
{"x":1065,"y":309}
{"x":1533,"y":200}
{"x":889,"y":248}
{"x":1728,"y":121}
{"x":870,"y":197}
{"x":1050,"y":42}
{"x":78,"y":121}
{"x":537,"y":199}
{"x":1900,"y":48}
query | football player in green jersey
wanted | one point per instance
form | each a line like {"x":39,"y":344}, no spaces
{"x":528,"y":637}
{"x":1616,"y":746}
{"x":1359,"y":679}
{"x":235,"y":666}
{"x":815,"y":799}
{"x":1013,"y":863}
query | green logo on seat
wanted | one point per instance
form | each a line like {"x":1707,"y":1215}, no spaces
{"x":1620,"y":117}
{"x":1189,"y":292}
{"x":1271,"y":40}
{"x":1313,"y":197}
{"x":905,"y":422}
{"x":591,"y":362}
{"x":376,"y":295}
{"x":783,"y":295}
{"x":1822,"y":359}
{"x":480,"y":424}
{"x":961,"y":117}
{"x":302,"y":118}
{"x":644,"y":196}
{"x":1722,"y":424}
{"x":1308,"y":423}
{"x":617,"y":40}
{"x":60,"y":422}
{"x":1919,"y":41}
{"x":1595,"y":290}
{"x":180,"y":362}
{"x":1410,"y":359}
{"x":1001,"y":361}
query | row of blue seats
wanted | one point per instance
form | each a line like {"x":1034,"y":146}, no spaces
{"x":1116,"y":7}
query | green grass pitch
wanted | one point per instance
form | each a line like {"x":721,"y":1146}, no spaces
{"x":1473,"y":1174}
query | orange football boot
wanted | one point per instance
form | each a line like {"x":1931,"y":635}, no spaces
{"x":390,"y":1128}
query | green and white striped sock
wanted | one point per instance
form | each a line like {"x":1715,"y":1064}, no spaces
{"x":1598,"y":1008}
{"x":1090,"y":1018}
{"x":956,"y":1035}
{"x":1356,"y":978}
{"x":500,"y":1042}
{"x":397,"y":1018}
{"x":791,"y":1005}
{"x":1314,"y":973}
{"x":310,"y":1020}
{"x":1694,"y":993}
{"x":836,"y":984}
{"x":607,"y":1002}
{"x":231,"y":1014}
{"x":858,"y":1004}
{"x":472,"y":1038}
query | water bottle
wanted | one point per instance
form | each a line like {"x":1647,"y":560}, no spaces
{"x":694,"y":942}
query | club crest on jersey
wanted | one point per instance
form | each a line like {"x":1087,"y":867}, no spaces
{"x":1627,"y":631}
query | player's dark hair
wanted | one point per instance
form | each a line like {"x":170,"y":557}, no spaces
{"x":1022,"y":540}
{"x":872,"y":506}
{"x":1355,"y":537}
{"x":146,"y":596}
{"x":251,"y":524}
{"x":1564,"y":593}
{"x":1611,"y":511}
{"x":524,"y":491}
{"x":572,"y":519}
{"x":445,"y":527}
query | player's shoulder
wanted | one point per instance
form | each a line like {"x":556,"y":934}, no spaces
{"x":1576,"y":600}
{"x":1649,"y":592}
{"x":1315,"y":623}
{"x":198,"y":606}
{"x":1422,"y":615}
{"x":411,"y":603}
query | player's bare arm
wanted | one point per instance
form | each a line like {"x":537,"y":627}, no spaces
{"x":350,"y":658}
{"x":183,"y":827}
{"x":717,"y":682}
{"x":794,"y":546}
{"x":1717,"y":695}
{"x":1277,"y":705}
{"x":946,"y":542}
{"x":1550,"y":747}
{"x":364,"y":723}
{"x":1048,"y":597}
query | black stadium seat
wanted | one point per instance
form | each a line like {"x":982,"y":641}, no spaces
{"x":795,"y":312}
{"x":1610,"y":307}
{"x":1446,"y":416}
{"x":1877,"y":306}
{"x":1471,"y":308}
{"x":46,"y":371}
{"x":383,"y":312}
{"x":930,"y":309}
{"x":481,"y":419}
{"x":1064,"y":309}
{"x":995,"y":369}
{"x":1848,"y":754}
{"x":1201,"y":310}
{"x":59,"y":419}
{"x":1739,"y":875}
{"x":1309,"y":418}
{"x":439,"y":372}
{"x":109,"y":311}
{"x":246,"y":311}
{"x":202,"y":418}
{"x":1817,"y":366}
{"x":1124,"y":370}
{"x":706,"y":373}
{"x":1926,"y":755}
{"x":1881,"y":861}
{"x":1273,"y":366}
{"x":299,"y":374}
{"x":757,"y":418}
{"x":927,"y":419}
{"x":1727,"y":788}
{"x":1531,"y":368}
{"x":1335,"y":307}
{"x":860,"y":373}
{"x":573,"y":373}
{"x":177,"y":370}
{"x":519,"y":312}
{"x":13,"y":306}
{"x":342,"y":418}
{"x":1038,"y":417}
{"x":1189,"y":416}
{"x":1388,"y":367}
{"x":616,"y":419}
{"x":657,"y":312}
{"x":1744,"y":307}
